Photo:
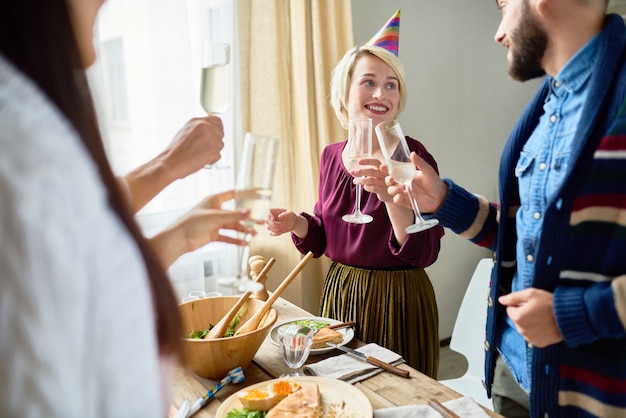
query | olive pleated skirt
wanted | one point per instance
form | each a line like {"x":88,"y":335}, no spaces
{"x":395,"y":309}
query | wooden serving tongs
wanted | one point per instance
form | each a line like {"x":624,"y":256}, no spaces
{"x":221,"y":327}
{"x":252,"y":323}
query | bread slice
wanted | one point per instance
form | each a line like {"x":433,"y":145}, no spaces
{"x":326,"y":335}
{"x":305,"y":403}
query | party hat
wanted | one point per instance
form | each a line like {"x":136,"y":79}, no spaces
{"x":388,"y":36}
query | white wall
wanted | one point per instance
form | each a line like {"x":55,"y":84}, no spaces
{"x":618,"y":6}
{"x":461,"y":104}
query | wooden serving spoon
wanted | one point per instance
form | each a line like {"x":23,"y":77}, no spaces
{"x":252,"y":323}
{"x":221,"y":327}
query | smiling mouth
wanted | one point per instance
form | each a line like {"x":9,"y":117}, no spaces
{"x":377,"y":108}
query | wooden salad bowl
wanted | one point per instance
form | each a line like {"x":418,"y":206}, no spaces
{"x":213,"y":358}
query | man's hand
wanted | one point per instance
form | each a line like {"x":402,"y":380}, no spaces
{"x":428,"y":188}
{"x":532,"y":311}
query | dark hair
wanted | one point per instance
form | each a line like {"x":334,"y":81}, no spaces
{"x":38,"y":38}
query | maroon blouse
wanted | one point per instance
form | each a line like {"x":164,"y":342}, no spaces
{"x":372,"y":245}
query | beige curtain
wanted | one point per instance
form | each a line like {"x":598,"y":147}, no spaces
{"x":287,"y":50}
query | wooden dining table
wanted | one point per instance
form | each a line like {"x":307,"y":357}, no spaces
{"x":382,"y":390}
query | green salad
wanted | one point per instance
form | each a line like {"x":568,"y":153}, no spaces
{"x":200,"y":334}
{"x":245,"y":413}
{"x":314,"y":324}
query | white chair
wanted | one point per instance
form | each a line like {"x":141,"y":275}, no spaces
{"x":468,"y":335}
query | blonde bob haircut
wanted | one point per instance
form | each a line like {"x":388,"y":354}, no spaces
{"x":342,"y":76}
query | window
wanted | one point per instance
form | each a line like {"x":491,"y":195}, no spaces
{"x":114,"y":82}
{"x":146,"y":84}
{"x":148,"y":81}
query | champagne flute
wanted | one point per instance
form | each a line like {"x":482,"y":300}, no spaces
{"x":253,"y":191}
{"x":295,"y":346}
{"x":359,"y":146}
{"x":215,"y":80}
{"x":398,"y":158}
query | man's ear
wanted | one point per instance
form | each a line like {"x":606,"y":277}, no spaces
{"x":546,"y":7}
{"x":540,"y":6}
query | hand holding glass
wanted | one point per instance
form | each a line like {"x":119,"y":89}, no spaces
{"x":295,"y":346}
{"x":398,"y":159}
{"x":253,"y":191}
{"x":359,"y":146}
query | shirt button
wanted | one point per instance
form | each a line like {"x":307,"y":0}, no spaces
{"x":490,"y":302}
{"x":530,"y":258}
{"x":529,"y":345}
{"x":553,"y":118}
{"x":487,"y":346}
{"x":543,"y":166}
{"x":537,"y":215}
{"x":557,"y":84}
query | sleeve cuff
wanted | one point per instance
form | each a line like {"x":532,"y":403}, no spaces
{"x":571,"y":316}
{"x":458,"y":210}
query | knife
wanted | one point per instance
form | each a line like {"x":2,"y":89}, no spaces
{"x":372,"y":360}
{"x":342,"y":325}
{"x":439,"y":407}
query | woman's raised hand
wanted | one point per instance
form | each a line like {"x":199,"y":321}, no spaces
{"x":372,"y":177}
{"x":198,"y":143}
{"x":280,"y":221}
{"x":203,"y":224}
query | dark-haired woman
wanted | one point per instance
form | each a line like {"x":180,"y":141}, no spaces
{"x":88,"y":320}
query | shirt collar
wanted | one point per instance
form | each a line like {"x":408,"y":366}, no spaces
{"x":578,"y":69}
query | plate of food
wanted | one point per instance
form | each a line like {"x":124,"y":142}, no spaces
{"x":323,"y":334}
{"x":296,"y":397}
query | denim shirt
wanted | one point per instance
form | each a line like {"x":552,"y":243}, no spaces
{"x":540,"y":171}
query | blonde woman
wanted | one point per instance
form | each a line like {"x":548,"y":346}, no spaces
{"x":377,"y":275}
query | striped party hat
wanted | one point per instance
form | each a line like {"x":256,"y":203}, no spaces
{"x":388,"y":36}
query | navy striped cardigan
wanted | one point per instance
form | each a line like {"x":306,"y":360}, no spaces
{"x":582,"y":251}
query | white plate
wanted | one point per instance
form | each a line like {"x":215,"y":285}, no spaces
{"x":348,"y":333}
{"x":333,"y":391}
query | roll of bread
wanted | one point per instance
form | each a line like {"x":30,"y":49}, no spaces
{"x":326,"y":335}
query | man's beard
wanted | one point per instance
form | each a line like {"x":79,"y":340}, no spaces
{"x":530,"y":42}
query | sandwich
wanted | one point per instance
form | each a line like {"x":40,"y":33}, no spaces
{"x":305,"y":403}
{"x":266,"y":399}
{"x":326,"y":335}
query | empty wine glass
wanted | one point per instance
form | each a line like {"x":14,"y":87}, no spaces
{"x":295,"y":346}
{"x":359,"y":146}
{"x":215,"y":80}
{"x":398,"y":158}
{"x":253,"y":191}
